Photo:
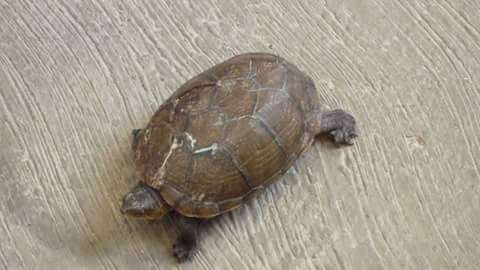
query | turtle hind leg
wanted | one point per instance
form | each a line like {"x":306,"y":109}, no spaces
{"x":186,"y":243}
{"x":338,"y":124}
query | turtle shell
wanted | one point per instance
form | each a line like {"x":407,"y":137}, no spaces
{"x":227,"y":133}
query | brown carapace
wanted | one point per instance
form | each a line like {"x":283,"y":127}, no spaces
{"x":224,"y":136}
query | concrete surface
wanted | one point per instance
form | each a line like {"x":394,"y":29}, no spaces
{"x":77,"y":76}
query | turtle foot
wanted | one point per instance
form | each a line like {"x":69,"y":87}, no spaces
{"x":340,"y":125}
{"x":184,"y":246}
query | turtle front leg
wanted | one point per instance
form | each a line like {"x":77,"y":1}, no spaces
{"x":186,"y":242}
{"x":338,"y":124}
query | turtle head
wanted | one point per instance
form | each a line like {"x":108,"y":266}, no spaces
{"x":144,"y":202}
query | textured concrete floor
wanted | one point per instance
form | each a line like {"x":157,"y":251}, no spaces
{"x":77,"y":76}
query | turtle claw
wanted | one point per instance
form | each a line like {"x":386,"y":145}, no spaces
{"x":181,"y":254}
{"x":344,"y":135}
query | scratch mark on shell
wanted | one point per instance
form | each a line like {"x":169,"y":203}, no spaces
{"x":192,"y":140}
{"x":212,"y":148}
{"x":161,"y":171}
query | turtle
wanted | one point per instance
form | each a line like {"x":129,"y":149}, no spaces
{"x":222,"y":137}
